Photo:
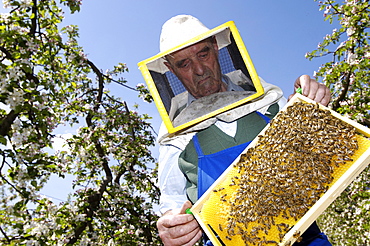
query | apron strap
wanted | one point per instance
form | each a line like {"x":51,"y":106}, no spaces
{"x":267,"y":119}
{"x":197,"y":146}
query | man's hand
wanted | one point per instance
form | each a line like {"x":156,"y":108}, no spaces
{"x":312,"y":89}
{"x":176,"y":227}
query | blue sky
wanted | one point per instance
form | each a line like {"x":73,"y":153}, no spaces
{"x":277,"y":34}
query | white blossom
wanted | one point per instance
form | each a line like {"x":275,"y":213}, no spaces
{"x":138,"y":232}
{"x":350,"y":31}
{"x":352,"y":59}
{"x":359,"y":117}
{"x":5,"y":17}
{"x":26,"y":3}
{"x":6,"y":3}
{"x":15,"y":73}
{"x":327,"y":9}
{"x":15,"y":98}
{"x":32,"y":243}
{"x":80,"y":217}
{"x":342,"y":44}
{"x":3,"y":85}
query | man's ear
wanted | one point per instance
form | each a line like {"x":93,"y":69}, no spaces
{"x":215,"y":45}
{"x":168,"y":65}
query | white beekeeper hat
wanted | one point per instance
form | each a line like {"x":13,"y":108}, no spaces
{"x":182,"y":31}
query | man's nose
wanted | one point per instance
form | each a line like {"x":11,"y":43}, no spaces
{"x":198,"y":67}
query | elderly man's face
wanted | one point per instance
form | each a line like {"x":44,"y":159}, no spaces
{"x":198,"y":68}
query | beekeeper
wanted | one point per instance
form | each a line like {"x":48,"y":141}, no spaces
{"x":190,"y":162}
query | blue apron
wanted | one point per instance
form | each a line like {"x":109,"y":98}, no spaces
{"x":211,"y":166}
{"x":219,"y":161}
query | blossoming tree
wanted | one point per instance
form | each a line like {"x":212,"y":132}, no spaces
{"x":45,"y":83}
{"x":347,"y":221}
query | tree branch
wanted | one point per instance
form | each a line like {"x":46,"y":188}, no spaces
{"x":95,"y":198}
{"x":8,"y":55}
{"x":120,"y":83}
{"x":131,"y":166}
{"x":342,"y":95}
{"x":336,"y":10}
{"x":6,"y":236}
{"x":367,"y":122}
{"x":100,"y":74}
{"x":6,"y":122}
{"x":34,"y":19}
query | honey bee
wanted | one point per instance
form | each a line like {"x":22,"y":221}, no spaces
{"x":220,"y":227}
{"x":297,"y":234}
{"x":272,"y":242}
{"x":288,"y":243}
{"x":281,"y":236}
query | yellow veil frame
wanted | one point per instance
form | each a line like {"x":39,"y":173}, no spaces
{"x":143,"y":66}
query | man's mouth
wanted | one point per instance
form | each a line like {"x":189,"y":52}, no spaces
{"x":203,"y":80}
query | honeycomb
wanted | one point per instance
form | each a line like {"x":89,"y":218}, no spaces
{"x":303,"y":152}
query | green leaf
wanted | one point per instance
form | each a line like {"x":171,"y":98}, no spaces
{"x":3,"y":140}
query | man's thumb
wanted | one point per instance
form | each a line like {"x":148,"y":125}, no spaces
{"x":185,"y":206}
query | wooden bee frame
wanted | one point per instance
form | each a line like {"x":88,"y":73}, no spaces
{"x":336,"y":187}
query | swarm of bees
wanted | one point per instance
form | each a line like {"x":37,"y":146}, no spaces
{"x":285,"y":173}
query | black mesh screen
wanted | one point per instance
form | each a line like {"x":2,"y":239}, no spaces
{"x":168,"y":85}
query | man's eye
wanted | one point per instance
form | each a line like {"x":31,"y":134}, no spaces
{"x":185,"y":64}
{"x":203,"y":55}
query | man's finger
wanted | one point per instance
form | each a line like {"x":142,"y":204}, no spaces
{"x":185,"y":206}
{"x":174,"y":220}
{"x":183,"y":230}
{"x":194,"y":236}
{"x":304,"y":83}
{"x":323,"y":95}
{"x":312,"y":90}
